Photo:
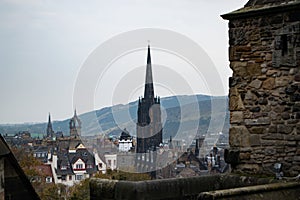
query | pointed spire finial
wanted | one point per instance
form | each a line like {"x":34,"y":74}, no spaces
{"x":149,"y":56}
{"x":149,"y":89}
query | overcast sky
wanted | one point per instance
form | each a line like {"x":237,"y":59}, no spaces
{"x":45,"y":42}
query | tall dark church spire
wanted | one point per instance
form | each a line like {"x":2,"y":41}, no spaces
{"x":149,"y":127}
{"x":149,"y":89}
{"x":50,"y":131}
{"x":49,"y":120}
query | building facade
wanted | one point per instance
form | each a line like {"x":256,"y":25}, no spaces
{"x":73,"y":165}
{"x":264,"y":96}
{"x":125,"y":141}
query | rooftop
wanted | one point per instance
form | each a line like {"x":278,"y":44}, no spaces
{"x":255,"y":7}
{"x":268,"y":2}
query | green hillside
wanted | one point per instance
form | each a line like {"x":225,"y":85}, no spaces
{"x":182,"y":114}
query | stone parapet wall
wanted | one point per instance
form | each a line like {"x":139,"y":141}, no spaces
{"x":264,"y":97}
{"x":257,"y":192}
{"x":181,"y":188}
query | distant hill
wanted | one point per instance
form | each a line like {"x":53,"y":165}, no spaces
{"x":197,"y":113}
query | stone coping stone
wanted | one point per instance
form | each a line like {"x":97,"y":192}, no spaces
{"x":175,"y":188}
{"x":253,"y":11}
{"x":290,"y":190}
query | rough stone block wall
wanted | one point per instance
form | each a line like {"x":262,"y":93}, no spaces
{"x":264,"y":95}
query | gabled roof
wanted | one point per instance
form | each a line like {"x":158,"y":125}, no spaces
{"x":45,"y":169}
{"x":82,"y":154}
{"x":80,"y":146}
{"x":14,"y":176}
{"x":70,"y":158}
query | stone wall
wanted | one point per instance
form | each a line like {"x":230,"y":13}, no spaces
{"x":180,"y":188}
{"x":264,"y":91}
{"x":257,"y":192}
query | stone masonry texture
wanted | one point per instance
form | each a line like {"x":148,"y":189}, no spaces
{"x":264,"y":94}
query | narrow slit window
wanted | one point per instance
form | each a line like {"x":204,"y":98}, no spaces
{"x":284,"y":45}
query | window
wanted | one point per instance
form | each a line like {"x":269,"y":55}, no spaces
{"x":63,"y":177}
{"x":284,"y":45}
{"x":79,"y":166}
{"x":79,"y":177}
{"x":109,"y":163}
{"x":89,"y":166}
{"x":63,"y":167}
{"x":70,"y":177}
{"x":48,"y":180}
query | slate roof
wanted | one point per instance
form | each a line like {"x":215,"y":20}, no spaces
{"x":69,"y":158}
{"x":255,"y":8}
{"x":74,"y":143}
{"x":63,"y":160}
{"x":45,"y":170}
{"x":190,"y":157}
{"x":41,"y":149}
{"x":267,"y":2}
{"x":86,"y":157}
{"x":125,"y":135}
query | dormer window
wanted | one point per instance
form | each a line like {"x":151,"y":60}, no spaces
{"x":79,"y":166}
{"x":63,"y":167}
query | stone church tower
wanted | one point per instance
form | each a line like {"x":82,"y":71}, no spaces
{"x":149,"y":127}
{"x":264,"y":95}
{"x":50,"y":132}
{"x":75,"y":126}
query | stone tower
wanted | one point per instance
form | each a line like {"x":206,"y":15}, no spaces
{"x":264,"y":96}
{"x":50,"y":132}
{"x":75,"y":126}
{"x":149,"y":127}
